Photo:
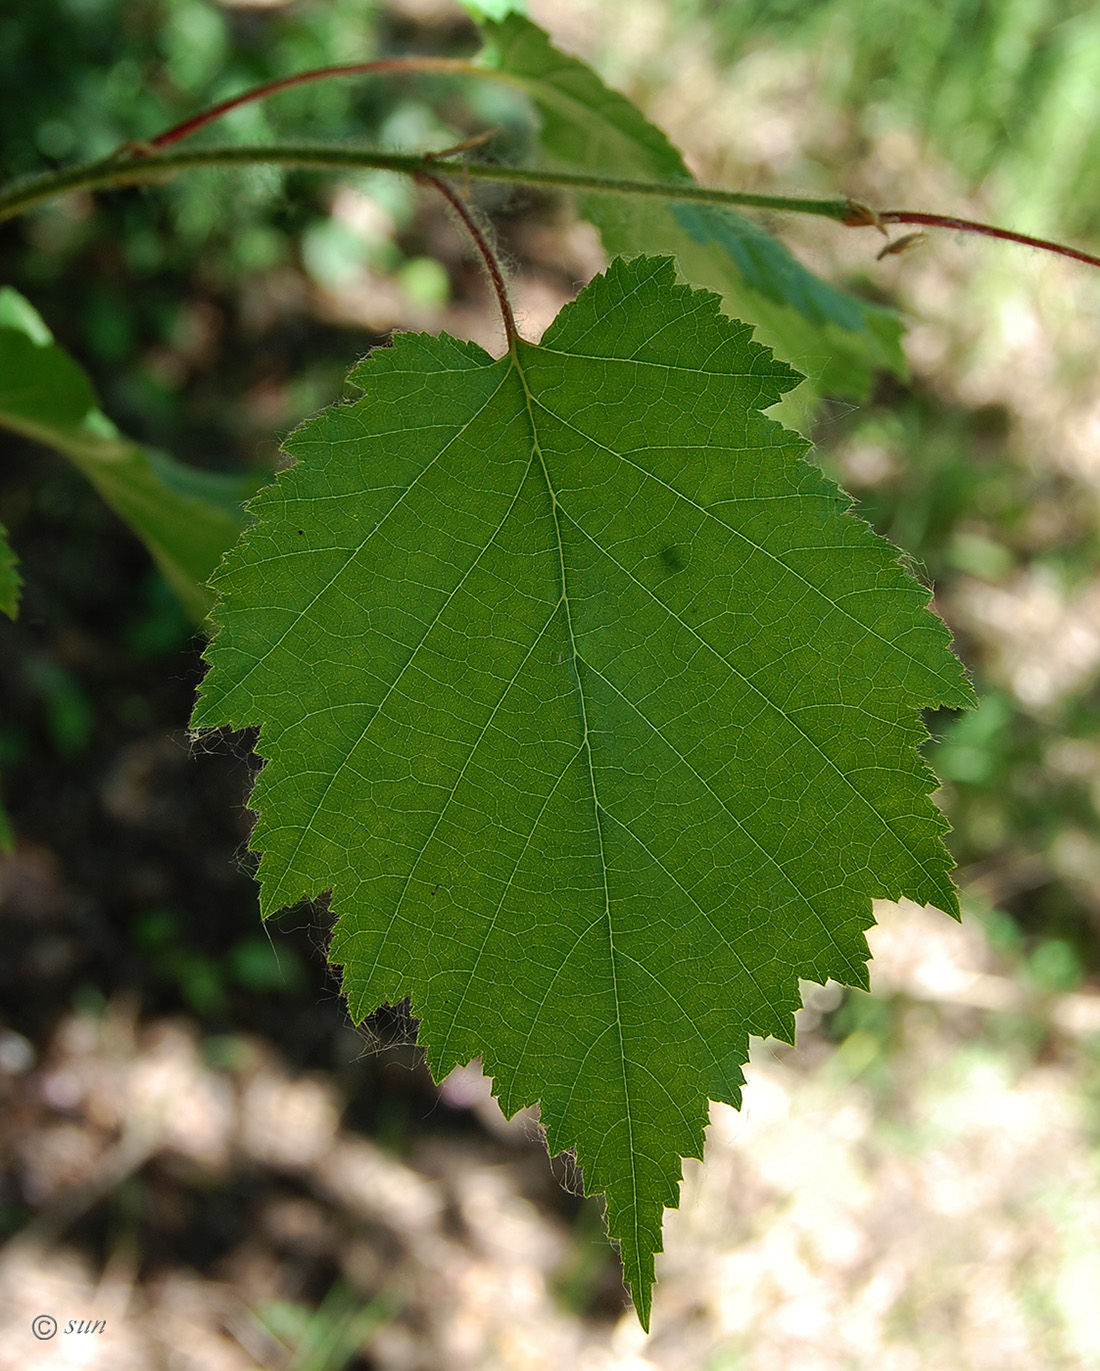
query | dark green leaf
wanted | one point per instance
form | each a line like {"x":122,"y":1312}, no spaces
{"x":595,"y":708}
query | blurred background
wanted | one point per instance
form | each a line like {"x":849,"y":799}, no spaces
{"x":196,"y":1145}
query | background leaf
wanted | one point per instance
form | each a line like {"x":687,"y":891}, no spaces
{"x":9,"y":577}
{"x":595,"y":709}
{"x":493,"y":9}
{"x":833,"y":335}
{"x":185,"y":517}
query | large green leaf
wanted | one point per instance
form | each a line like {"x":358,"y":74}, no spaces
{"x":186,"y":518}
{"x":593,"y":706}
{"x":832,"y":335}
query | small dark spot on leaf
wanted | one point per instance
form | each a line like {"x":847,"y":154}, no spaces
{"x":300,"y":532}
{"x":435,"y":887}
{"x":673,"y":558}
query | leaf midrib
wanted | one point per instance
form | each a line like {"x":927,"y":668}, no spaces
{"x":930,"y":875}
{"x":586,"y":746}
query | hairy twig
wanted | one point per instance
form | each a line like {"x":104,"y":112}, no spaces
{"x":141,"y":165}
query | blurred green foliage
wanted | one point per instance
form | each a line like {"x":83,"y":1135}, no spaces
{"x":205,"y":980}
{"x":1005,"y":89}
{"x":145,"y":282}
{"x":326,"y":1338}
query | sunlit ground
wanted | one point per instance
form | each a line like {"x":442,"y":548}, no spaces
{"x":914,"y":1186}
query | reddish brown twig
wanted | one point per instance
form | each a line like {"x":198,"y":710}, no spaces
{"x":178,"y":132}
{"x":947,"y":221}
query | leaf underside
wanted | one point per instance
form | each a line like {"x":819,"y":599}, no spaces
{"x":595,"y":709}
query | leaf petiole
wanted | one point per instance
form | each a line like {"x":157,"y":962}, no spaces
{"x":481,"y":242}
